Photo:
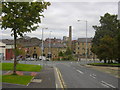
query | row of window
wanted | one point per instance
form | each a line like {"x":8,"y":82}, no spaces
{"x":83,"y":43}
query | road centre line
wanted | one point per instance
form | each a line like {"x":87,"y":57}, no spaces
{"x":80,"y":71}
{"x":92,"y":76}
{"x":109,"y":85}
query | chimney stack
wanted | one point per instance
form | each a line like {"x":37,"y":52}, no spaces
{"x":70,"y":37}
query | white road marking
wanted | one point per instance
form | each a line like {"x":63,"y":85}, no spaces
{"x":56,"y":85}
{"x":93,"y":76}
{"x":109,"y":85}
{"x":105,"y":85}
{"x":80,"y":71}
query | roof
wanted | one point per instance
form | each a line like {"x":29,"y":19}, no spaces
{"x":8,"y":41}
{"x":29,"y":42}
{"x":53,"y":45}
{"x":84,"y":39}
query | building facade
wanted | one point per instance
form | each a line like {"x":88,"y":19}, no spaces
{"x":51,"y":50}
{"x":2,"y":50}
{"x":79,"y":47}
{"x":9,"y":49}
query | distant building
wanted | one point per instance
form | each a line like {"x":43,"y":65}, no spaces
{"x":53,"y":40}
{"x":31,"y":46}
{"x":53,"y":50}
{"x":2,"y":50}
{"x":79,"y":47}
{"x":70,"y":37}
{"x":9,"y":47}
{"x":68,"y":40}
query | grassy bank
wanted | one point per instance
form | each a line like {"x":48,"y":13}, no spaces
{"x":105,"y":64}
{"x":16,"y":79}
{"x":21,"y":67}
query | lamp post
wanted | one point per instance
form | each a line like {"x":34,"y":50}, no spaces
{"x":50,"y":45}
{"x":42,"y":44}
{"x":119,"y":10}
{"x":86,"y":37}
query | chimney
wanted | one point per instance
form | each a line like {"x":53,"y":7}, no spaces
{"x":70,"y":37}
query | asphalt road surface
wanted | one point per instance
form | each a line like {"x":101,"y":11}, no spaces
{"x":76,"y":75}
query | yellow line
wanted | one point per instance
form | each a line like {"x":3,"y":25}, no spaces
{"x":59,"y":77}
{"x":62,"y":81}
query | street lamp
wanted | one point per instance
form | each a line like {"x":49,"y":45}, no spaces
{"x":42,"y":47}
{"x":86,"y":36}
{"x":50,"y":45}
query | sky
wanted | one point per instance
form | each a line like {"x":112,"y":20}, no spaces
{"x":60,"y":15}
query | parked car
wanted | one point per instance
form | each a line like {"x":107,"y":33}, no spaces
{"x":30,"y":59}
{"x":42,"y":58}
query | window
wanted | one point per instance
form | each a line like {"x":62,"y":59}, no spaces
{"x":8,"y":50}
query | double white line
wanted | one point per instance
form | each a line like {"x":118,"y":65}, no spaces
{"x":107,"y":85}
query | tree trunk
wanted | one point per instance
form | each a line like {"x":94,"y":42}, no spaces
{"x":15,"y":61}
{"x":104,"y":61}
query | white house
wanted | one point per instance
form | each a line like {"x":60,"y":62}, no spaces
{"x":2,"y":50}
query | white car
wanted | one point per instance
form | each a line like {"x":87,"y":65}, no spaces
{"x":30,"y":59}
{"x":42,"y":58}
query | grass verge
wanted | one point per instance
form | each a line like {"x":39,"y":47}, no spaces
{"x":16,"y":79}
{"x":22,"y":67}
{"x":105,"y":64}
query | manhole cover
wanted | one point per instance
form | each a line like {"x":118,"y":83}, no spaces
{"x":37,"y":80}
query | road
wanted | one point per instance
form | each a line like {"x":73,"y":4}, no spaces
{"x":77,"y":75}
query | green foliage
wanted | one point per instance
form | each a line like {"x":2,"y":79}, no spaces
{"x":105,"y":43}
{"x":61,"y":54}
{"x":16,"y":79}
{"x":104,"y":64}
{"x":66,"y":55}
{"x":68,"y":52}
{"x":22,"y":16}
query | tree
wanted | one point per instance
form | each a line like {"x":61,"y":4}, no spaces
{"x":61,"y":54}
{"x":22,"y":17}
{"x":105,"y":37}
{"x":107,"y":48}
{"x":68,"y":51}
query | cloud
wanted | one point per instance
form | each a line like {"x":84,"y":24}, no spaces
{"x":60,"y":15}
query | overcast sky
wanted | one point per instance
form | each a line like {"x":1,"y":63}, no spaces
{"x":60,"y":15}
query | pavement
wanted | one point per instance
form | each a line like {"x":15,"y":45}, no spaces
{"x":43,"y":79}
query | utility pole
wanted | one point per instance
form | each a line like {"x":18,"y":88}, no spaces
{"x":50,"y":45}
{"x":42,"y":47}
{"x":86,"y":51}
{"x":119,"y":10}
